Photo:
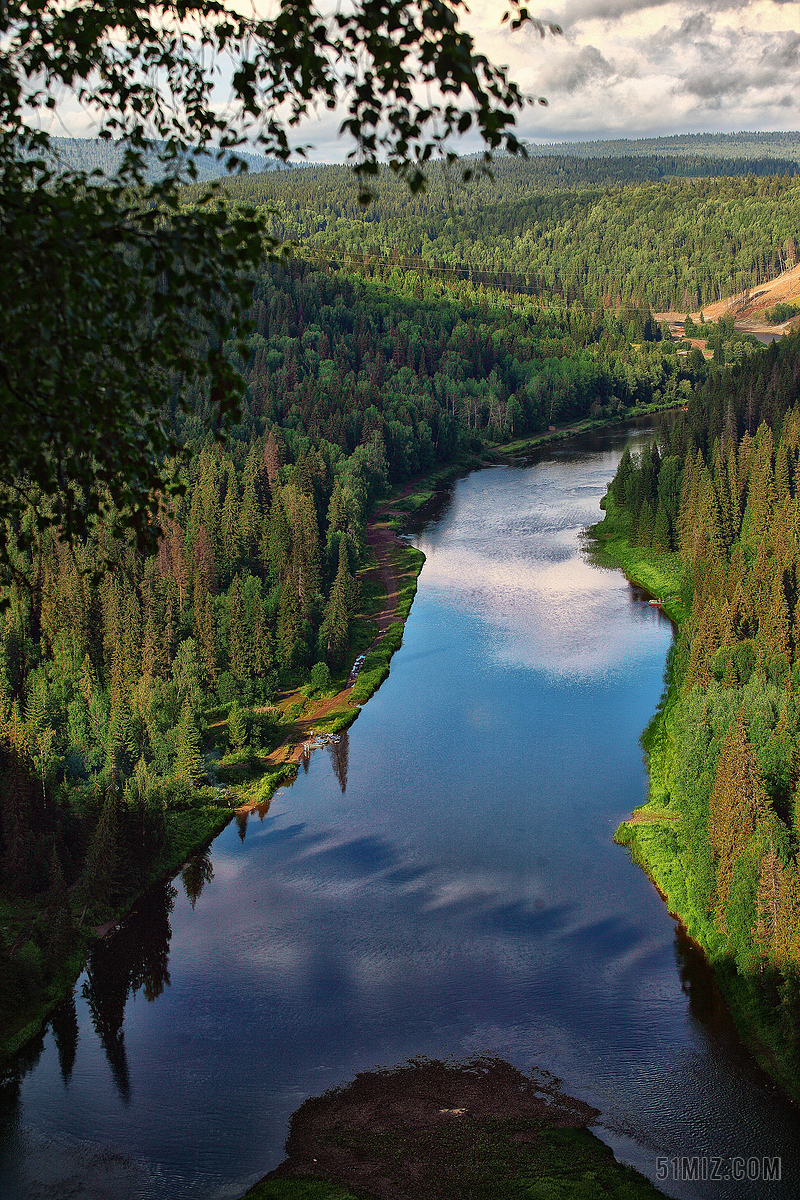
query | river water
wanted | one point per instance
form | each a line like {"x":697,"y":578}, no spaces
{"x":442,"y":882}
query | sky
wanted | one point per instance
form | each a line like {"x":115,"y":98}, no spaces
{"x":639,"y":68}
{"x":623,"y":68}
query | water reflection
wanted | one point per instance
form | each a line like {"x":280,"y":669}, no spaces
{"x":134,"y":958}
{"x":64,"y":1024}
{"x":698,"y":983}
{"x":340,"y":755}
{"x":196,"y":874}
{"x":511,"y":557}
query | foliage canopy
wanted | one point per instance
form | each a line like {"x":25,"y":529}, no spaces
{"x":119,"y":294}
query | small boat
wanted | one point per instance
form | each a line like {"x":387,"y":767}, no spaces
{"x":656,"y":603}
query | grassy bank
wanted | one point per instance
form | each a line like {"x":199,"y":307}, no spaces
{"x":659,"y":574}
{"x":560,"y":433}
{"x":567,"y":1164}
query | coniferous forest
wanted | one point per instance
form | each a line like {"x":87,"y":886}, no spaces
{"x":718,"y":501}
{"x":396,"y":340}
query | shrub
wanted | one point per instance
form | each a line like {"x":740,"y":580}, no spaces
{"x":320,"y":677}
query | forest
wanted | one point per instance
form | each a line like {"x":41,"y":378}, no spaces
{"x":395,"y":340}
{"x":594,"y":233}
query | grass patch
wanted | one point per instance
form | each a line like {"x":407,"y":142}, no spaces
{"x":302,"y":1189}
{"x":407,"y":562}
{"x":271,"y":777}
{"x":376,"y":664}
{"x":413,"y":502}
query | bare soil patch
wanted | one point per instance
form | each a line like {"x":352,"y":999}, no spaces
{"x":749,"y":309}
{"x":430,"y":1129}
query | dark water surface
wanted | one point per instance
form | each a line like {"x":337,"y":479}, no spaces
{"x":444,"y":882}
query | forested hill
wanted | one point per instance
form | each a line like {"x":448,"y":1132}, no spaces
{"x":745,"y":144}
{"x":94,"y":154}
{"x":674,"y":243}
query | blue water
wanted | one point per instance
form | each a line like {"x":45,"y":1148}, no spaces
{"x":444,"y":882}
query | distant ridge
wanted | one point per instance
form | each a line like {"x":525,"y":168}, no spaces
{"x":94,"y":154}
{"x":710,"y":145}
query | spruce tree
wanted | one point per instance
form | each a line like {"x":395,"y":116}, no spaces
{"x":100,"y":873}
{"x":237,"y":727}
{"x":333,"y":634}
{"x":189,"y":762}
{"x":60,"y":924}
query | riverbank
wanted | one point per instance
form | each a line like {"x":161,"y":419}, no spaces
{"x":390,"y":583}
{"x":661,"y":575}
{"x":652,"y":835}
{"x":188,"y":834}
{"x":560,"y":433}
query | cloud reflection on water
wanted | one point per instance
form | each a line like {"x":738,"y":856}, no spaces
{"x":518,"y":561}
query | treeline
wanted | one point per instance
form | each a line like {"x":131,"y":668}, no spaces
{"x":96,"y":155}
{"x":330,"y":191}
{"x":420,"y":366}
{"x":722,"y":493}
{"x":743,"y":144}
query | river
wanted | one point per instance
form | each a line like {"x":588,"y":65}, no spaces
{"x":442,"y":882}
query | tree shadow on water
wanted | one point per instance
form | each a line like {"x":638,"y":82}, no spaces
{"x":135,"y":957}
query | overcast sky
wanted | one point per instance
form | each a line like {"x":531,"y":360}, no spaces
{"x":623,"y":68}
{"x":641,"y":68}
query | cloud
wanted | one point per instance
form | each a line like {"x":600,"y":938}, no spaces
{"x":739,"y":63}
{"x":576,"y":71}
{"x":624,"y":68}
{"x":578,"y":11}
{"x":634,"y":68}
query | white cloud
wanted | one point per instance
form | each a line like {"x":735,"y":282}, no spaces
{"x":633,"y":68}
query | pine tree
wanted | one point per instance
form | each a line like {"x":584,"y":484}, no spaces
{"x":661,"y":535}
{"x":250,"y":517}
{"x":204,"y":561}
{"x":205,"y":632}
{"x":100,"y":872}
{"x":60,"y":924}
{"x":18,"y":827}
{"x":229,"y":525}
{"x":237,"y":636}
{"x":290,"y":623}
{"x":279,"y":538}
{"x":770,"y":891}
{"x":334,"y":631}
{"x":271,"y":460}
{"x":644,"y":525}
